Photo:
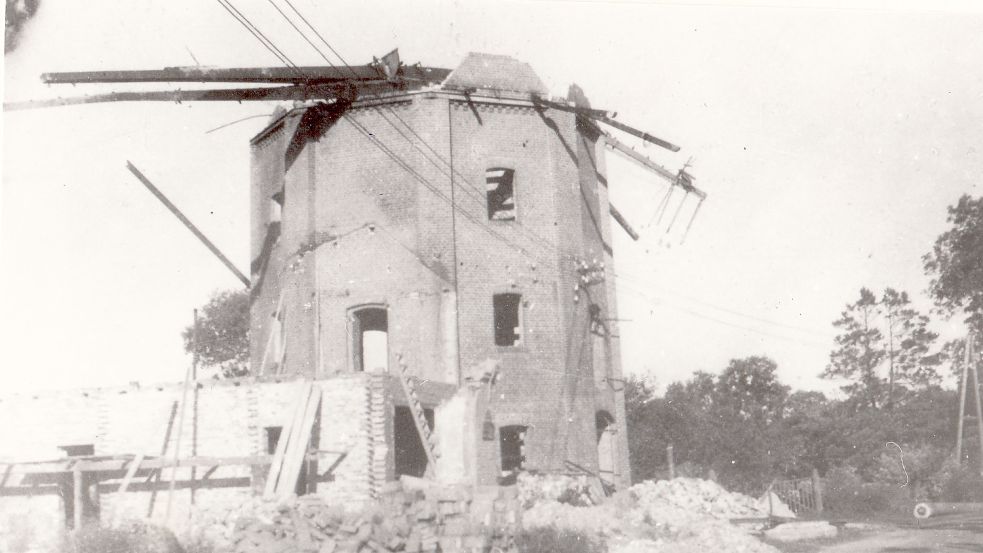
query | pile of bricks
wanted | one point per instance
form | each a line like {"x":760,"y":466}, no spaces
{"x":414,"y":516}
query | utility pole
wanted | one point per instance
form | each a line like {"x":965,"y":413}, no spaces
{"x":976,"y":395}
{"x":970,"y":368}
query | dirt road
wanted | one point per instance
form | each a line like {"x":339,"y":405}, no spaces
{"x":914,"y":540}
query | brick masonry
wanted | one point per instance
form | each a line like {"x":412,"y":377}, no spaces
{"x":385,"y":206}
{"x":231,"y":420}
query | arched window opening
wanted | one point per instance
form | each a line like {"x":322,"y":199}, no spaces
{"x":605,"y":445}
{"x":370,"y":336}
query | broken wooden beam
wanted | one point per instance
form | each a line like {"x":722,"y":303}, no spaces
{"x":194,"y":230}
{"x":254,"y":94}
{"x":640,"y":134}
{"x":622,"y":148}
{"x":197,"y":74}
{"x":623,"y":222}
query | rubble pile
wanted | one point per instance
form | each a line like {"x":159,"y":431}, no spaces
{"x":536,"y":488}
{"x":697,"y":496}
{"x":412,"y":518}
{"x":683,"y":514}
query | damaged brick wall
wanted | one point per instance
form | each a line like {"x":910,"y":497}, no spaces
{"x":230,"y":421}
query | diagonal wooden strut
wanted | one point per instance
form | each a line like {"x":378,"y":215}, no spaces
{"x":187,"y":223}
{"x":419,"y":417}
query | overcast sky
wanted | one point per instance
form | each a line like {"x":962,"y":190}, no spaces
{"x":830,"y":141}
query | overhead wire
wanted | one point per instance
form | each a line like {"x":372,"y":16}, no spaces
{"x":551,"y":246}
{"x":373,"y":137}
{"x":266,"y":42}
{"x":474,"y":192}
{"x":440,"y":195}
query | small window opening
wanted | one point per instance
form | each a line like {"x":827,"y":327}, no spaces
{"x":370,"y":334}
{"x":500,"y":193}
{"x":604,"y":423}
{"x":272,"y":438}
{"x":409,"y":456}
{"x":80,"y":450}
{"x":508,"y":323}
{"x":276,"y":207}
{"x":511,"y":441}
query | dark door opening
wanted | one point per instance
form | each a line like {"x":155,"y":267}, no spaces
{"x":410,"y":457}
{"x":511,"y":441}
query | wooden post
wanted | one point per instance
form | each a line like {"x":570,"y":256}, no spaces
{"x":177,"y":446}
{"x":670,"y":461}
{"x":976,"y":396}
{"x":962,"y":405}
{"x":77,"y":492}
{"x":817,"y":490}
{"x":194,"y":404}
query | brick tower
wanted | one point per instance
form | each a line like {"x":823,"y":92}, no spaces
{"x":463,"y":226}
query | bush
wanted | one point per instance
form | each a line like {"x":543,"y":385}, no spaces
{"x":551,"y":540}
{"x":845,"y":492}
{"x":131,"y":538}
{"x":963,"y":485}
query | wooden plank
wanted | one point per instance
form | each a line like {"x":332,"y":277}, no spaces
{"x":163,"y":451}
{"x":119,"y":465}
{"x":286,"y":433}
{"x":130,"y":473}
{"x":77,"y":498}
{"x":296,"y":451}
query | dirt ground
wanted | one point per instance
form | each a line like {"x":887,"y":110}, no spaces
{"x":948,"y":535}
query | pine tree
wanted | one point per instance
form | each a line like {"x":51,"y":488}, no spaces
{"x":908,"y":344}
{"x":860,"y":350}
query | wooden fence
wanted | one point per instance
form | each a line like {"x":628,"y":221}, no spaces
{"x":800,"y":495}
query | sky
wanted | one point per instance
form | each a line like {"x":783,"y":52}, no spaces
{"x":830,"y":138}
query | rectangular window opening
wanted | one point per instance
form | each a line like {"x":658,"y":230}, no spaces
{"x":500,"y":193}
{"x":79,"y":450}
{"x":508,"y":321}
{"x":272,"y":438}
{"x":512,"y":445}
{"x":276,"y":207}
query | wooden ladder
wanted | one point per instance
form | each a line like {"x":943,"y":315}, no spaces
{"x":419,"y":417}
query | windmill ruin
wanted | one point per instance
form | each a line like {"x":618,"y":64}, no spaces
{"x":432,"y":295}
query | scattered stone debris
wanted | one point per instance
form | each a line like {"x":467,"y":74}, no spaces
{"x":684,"y":514}
{"x":416,"y":516}
{"x":412,"y":516}
{"x":555,"y":487}
{"x":796,"y":531}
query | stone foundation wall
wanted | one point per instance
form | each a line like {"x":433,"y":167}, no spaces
{"x":221,"y":419}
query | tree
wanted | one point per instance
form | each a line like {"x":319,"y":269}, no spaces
{"x":873,"y":332}
{"x":909,"y":343}
{"x":860,"y":349}
{"x":222,"y":337}
{"x":644,"y":453}
{"x":956,"y":262}
{"x":749,"y":390}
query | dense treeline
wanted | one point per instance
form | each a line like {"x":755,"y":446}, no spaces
{"x":748,"y":428}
